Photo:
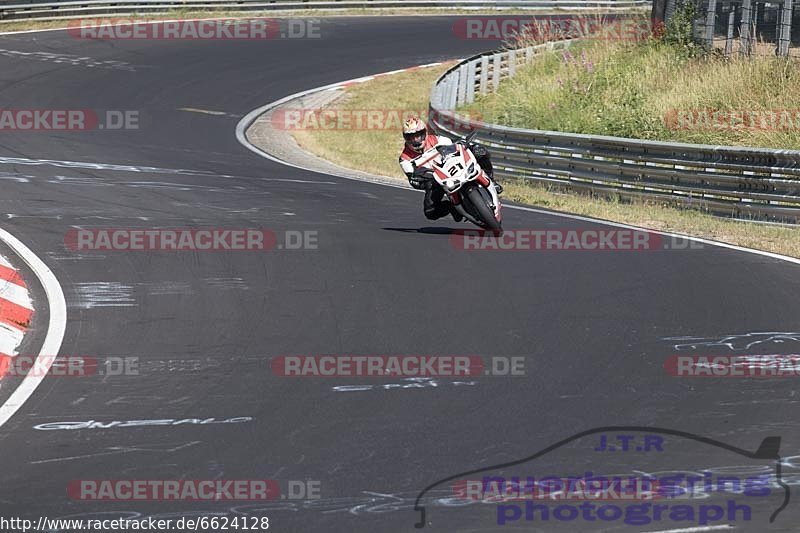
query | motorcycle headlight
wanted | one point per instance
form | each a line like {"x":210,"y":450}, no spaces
{"x":471,"y":170}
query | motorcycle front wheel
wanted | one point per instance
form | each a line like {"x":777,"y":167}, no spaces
{"x":481,"y":210}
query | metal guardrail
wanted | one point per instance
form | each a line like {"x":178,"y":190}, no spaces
{"x":741,"y":182}
{"x":20,"y":10}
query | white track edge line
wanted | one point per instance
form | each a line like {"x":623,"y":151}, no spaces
{"x":251,"y":117}
{"x":55,"y":329}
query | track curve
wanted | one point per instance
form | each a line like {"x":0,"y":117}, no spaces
{"x":591,"y":326}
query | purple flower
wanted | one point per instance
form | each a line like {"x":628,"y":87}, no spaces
{"x":560,"y":83}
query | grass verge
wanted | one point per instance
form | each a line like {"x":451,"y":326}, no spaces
{"x":654,"y":90}
{"x":376,"y":151}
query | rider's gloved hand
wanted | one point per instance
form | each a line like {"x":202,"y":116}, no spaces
{"x":478,"y":149}
{"x":420,"y":177}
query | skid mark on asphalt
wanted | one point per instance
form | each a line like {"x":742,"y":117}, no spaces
{"x":93,"y":294}
{"x":161,"y":366}
{"x":167,"y":288}
{"x":101,"y":294}
{"x":76,"y":256}
{"x":98,"y":217}
{"x":226,"y":283}
{"x":78,"y":180}
{"x":68,"y":59}
{"x":19,"y":178}
{"x":41,"y":216}
{"x":208,"y":112}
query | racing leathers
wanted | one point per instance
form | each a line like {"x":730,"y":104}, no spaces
{"x":421,"y":177}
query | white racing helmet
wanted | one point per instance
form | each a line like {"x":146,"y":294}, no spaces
{"x":415,"y":132}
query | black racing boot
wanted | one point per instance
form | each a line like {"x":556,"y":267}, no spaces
{"x":497,"y":186}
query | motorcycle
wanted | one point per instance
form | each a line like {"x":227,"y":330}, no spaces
{"x":465,"y":184}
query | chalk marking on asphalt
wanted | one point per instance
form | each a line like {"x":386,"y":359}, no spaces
{"x":172,"y":422}
{"x":115,"y":450}
{"x":251,"y":117}
{"x":55,"y":328}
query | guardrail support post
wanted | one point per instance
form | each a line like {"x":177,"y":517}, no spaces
{"x":452,"y":91}
{"x":784,"y":28}
{"x":462,"y":85}
{"x":729,"y":39}
{"x":512,"y":63}
{"x":496,"y":71}
{"x":471,"y":75}
{"x":711,"y":15}
{"x":745,"y":30}
{"x":754,"y":19}
{"x":484,"y":74}
{"x":669,"y":10}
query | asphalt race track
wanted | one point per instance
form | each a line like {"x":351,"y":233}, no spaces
{"x":592,"y":327}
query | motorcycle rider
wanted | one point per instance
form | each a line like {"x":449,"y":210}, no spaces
{"x":417,"y":142}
